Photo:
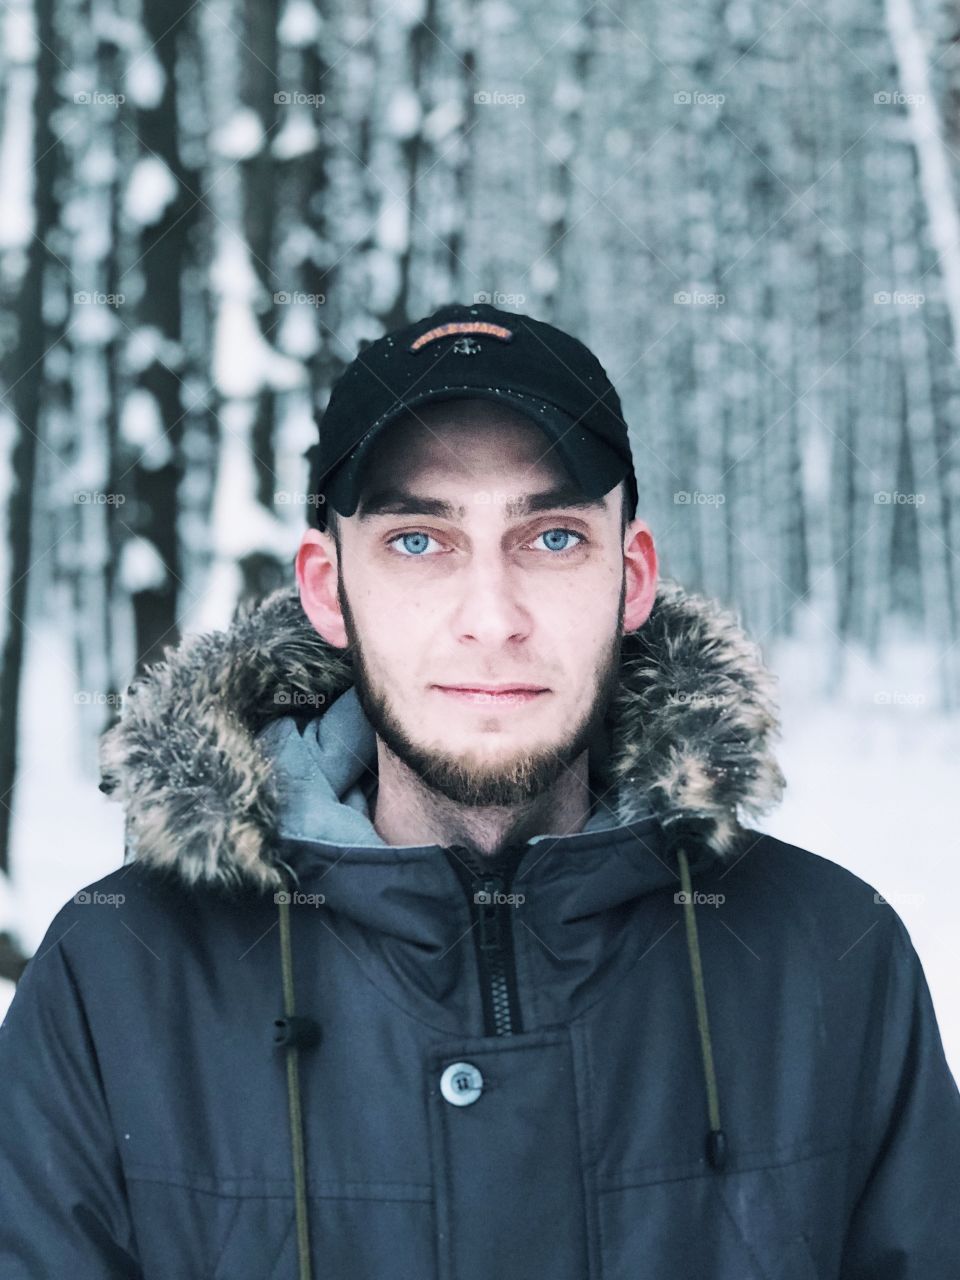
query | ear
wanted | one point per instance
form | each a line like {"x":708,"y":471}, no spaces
{"x":318,"y":571}
{"x":640,"y":567}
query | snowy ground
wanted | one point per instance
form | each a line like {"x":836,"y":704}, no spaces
{"x":870,"y":776}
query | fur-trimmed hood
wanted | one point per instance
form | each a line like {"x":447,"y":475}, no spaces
{"x":690,"y":734}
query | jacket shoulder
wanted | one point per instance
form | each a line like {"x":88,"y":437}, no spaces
{"x":805,"y":893}
{"x":138,"y":912}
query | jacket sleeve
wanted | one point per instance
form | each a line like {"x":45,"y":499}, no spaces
{"x":63,"y":1209}
{"x":903,"y":1226}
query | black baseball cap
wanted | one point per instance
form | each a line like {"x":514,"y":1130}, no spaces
{"x":477,"y":351}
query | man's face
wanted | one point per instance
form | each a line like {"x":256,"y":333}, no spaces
{"x":447,"y":580}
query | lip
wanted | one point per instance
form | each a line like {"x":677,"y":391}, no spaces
{"x":503,"y":694}
{"x":480,"y":687}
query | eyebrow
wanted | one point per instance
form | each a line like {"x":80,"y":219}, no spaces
{"x":396,"y":501}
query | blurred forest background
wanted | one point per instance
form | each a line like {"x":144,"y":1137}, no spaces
{"x":750,"y":211}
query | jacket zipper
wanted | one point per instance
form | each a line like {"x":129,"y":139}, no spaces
{"x":493,"y":932}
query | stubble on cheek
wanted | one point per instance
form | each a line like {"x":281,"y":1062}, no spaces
{"x":586,"y":699}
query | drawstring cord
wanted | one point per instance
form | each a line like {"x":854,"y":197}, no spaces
{"x":292,"y":1032}
{"x":716,"y":1138}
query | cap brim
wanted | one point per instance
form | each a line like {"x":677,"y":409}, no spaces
{"x":592,"y":465}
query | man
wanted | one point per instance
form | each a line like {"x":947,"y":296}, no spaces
{"x":441,"y":950}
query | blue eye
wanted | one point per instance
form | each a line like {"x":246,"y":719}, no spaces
{"x":564,"y":533}
{"x":419,"y":538}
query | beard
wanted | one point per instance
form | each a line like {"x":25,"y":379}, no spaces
{"x":510,"y":780}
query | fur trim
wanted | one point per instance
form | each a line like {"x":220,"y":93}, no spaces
{"x":694,"y":721}
{"x":691,"y":727}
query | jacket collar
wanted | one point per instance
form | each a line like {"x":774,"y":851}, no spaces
{"x":208,"y":762}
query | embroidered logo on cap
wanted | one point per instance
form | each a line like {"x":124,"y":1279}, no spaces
{"x":462,"y":326}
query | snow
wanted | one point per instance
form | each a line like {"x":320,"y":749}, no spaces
{"x":567,"y":95}
{"x":241,"y":524}
{"x":544,"y":276}
{"x":65,"y":833}
{"x":870,"y":770}
{"x":936,"y":181}
{"x":498,"y":19}
{"x":19,"y":33}
{"x":243,"y":360}
{"x":97,"y":166}
{"x":145,"y":80}
{"x":618,"y":142}
{"x":393,"y":226}
{"x":9,"y":922}
{"x":9,"y":431}
{"x":384,"y":276}
{"x":297,"y":333}
{"x":241,"y":137}
{"x":561,"y":145}
{"x":300,"y":24}
{"x":297,"y":137}
{"x":403,"y":113}
{"x":232,"y":272}
{"x":550,"y":206}
{"x":408,"y":11}
{"x":112,"y":27}
{"x":147,"y":344}
{"x":8,"y":907}
{"x":297,"y":431}
{"x":150,"y":190}
{"x":94,"y":322}
{"x":90,"y":232}
{"x":141,"y":566}
{"x":16,"y":139}
{"x":141,"y":425}
{"x":442,"y":121}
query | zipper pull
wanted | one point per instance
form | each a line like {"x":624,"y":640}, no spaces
{"x":488,"y":915}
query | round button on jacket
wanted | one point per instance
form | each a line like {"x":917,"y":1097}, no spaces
{"x":461,"y":1083}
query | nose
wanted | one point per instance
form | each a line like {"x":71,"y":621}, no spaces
{"x":490,"y":608}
